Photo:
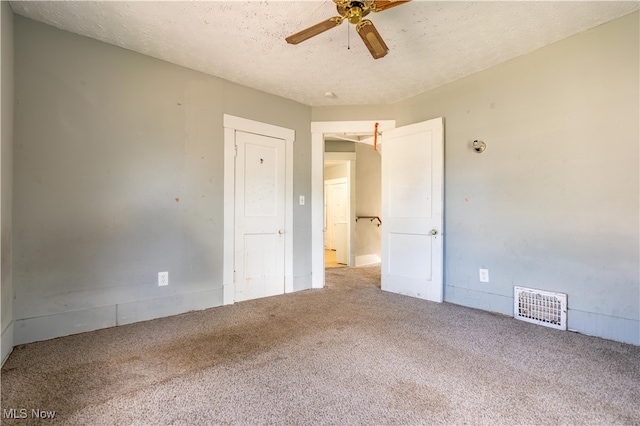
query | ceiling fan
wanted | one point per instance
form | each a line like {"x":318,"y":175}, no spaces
{"x":353,"y":11}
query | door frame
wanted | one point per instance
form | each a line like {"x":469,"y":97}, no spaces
{"x":318,"y":129}
{"x":232,"y":124}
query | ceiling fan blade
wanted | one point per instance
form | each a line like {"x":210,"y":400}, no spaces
{"x":314,"y":30}
{"x":380,"y":5}
{"x":372,"y":39}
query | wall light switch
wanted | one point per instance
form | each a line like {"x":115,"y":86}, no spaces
{"x":484,"y":275}
{"x":302,"y":200}
{"x":163,"y":279}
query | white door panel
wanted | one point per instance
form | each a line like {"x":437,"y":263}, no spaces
{"x":262,"y":264}
{"x":259,"y":216}
{"x":412,"y":203}
{"x":261,"y":180}
{"x":411,"y":173}
{"x":403,"y":265}
{"x":337,"y":207}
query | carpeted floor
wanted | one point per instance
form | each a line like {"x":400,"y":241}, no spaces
{"x":346,"y":354}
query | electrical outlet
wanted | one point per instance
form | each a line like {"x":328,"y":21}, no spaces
{"x":163,"y":279}
{"x":484,"y":275}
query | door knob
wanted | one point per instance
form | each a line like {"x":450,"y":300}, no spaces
{"x":434,"y":232}
{"x":280,"y":231}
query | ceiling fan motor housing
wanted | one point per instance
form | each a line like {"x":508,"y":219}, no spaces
{"x":354,"y":11}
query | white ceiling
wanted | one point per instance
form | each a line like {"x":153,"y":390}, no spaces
{"x":431,"y":43}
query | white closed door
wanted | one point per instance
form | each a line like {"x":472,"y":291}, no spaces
{"x":259,"y":216}
{"x":336,"y":208}
{"x":412,"y":208}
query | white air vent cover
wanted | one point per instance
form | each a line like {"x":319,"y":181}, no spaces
{"x":540,"y":307}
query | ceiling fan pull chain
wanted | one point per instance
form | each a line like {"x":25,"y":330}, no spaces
{"x":348,"y":39}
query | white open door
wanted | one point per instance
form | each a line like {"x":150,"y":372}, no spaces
{"x":412,"y":206}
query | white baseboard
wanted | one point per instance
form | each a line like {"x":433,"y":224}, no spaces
{"x":67,"y":323}
{"x":145,"y":310}
{"x":367,"y":259}
{"x":47,"y":327}
{"x":6,"y":344}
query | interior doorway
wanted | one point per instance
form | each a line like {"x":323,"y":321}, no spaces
{"x":412,"y":164}
{"x":339,"y":199}
{"x":330,"y":260}
{"x":333,"y":134}
{"x":336,"y":207}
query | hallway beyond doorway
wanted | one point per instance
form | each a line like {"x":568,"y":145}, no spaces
{"x":330,"y":260}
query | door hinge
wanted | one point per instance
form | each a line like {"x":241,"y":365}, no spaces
{"x":235,"y":154}
{"x":234,"y":276}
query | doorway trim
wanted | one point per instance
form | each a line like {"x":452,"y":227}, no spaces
{"x":318,"y":129}
{"x":232,"y":124}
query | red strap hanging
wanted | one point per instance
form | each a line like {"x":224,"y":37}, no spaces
{"x":375,"y":138}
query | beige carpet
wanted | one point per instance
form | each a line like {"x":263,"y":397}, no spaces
{"x":347,"y":354}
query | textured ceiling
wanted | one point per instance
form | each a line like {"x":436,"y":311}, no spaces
{"x":431,"y":43}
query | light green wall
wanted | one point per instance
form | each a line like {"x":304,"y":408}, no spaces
{"x":119,"y":175}
{"x":6,"y":154}
{"x":554,"y":201}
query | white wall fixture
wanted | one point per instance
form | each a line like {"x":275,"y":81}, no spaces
{"x":479,"y":146}
{"x":484,"y":275}
{"x":163,"y":279}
